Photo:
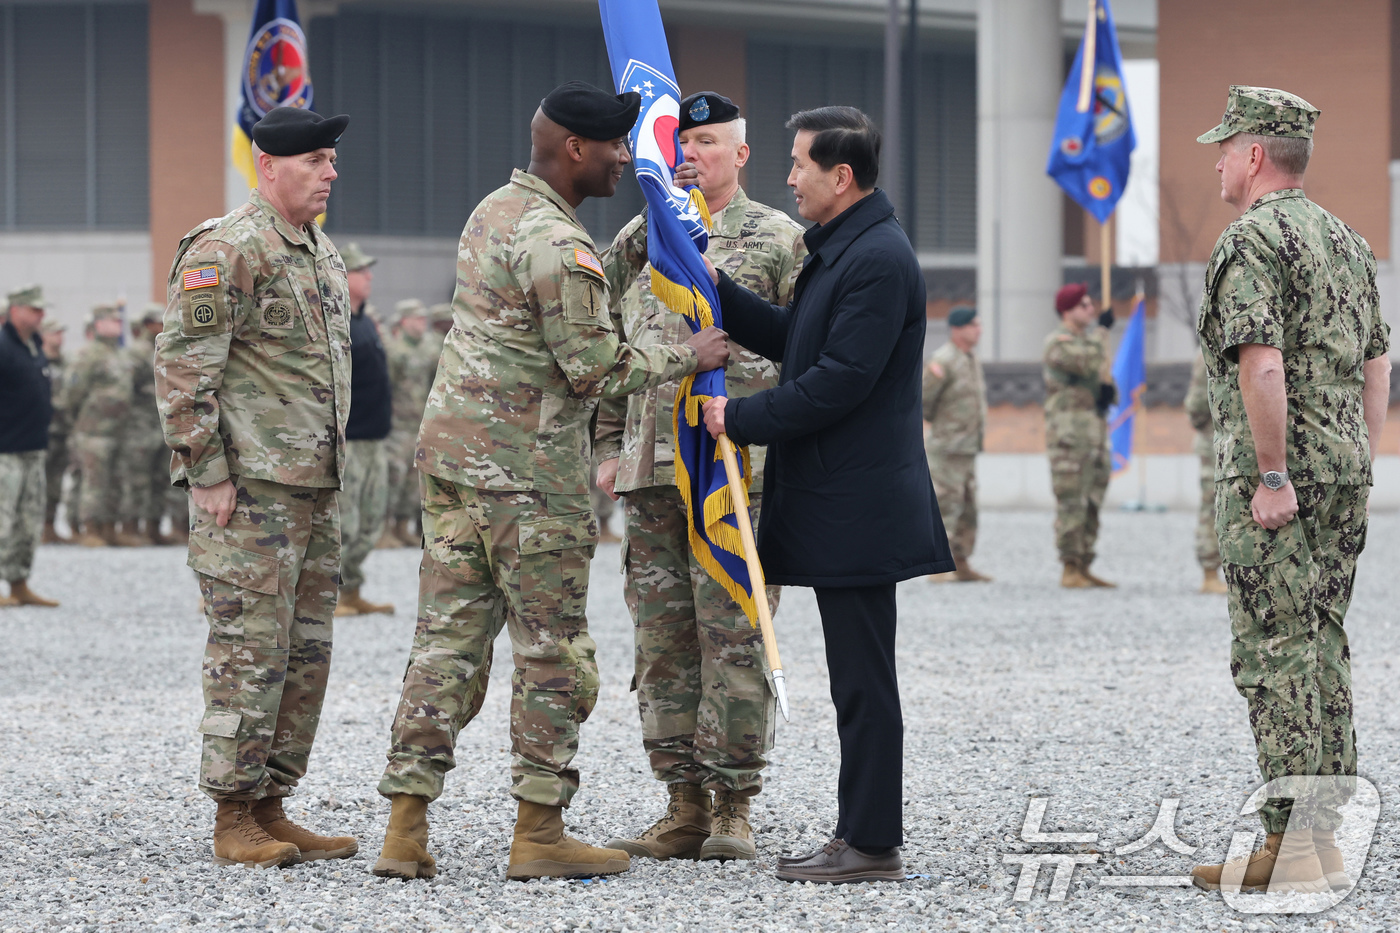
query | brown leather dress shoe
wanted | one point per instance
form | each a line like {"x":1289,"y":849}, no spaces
{"x":785,"y":860}
{"x":840,"y":863}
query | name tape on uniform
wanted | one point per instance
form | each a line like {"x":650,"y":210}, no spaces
{"x":205,"y":278}
{"x":588,"y":261}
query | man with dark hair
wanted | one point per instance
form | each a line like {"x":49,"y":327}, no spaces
{"x":844,"y":430}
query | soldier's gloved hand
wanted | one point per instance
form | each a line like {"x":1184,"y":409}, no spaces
{"x":712,"y":346}
{"x":607,"y":477}
{"x":1106,"y":319}
{"x":218,"y":500}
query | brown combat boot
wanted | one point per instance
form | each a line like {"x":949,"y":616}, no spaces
{"x":269,"y":815}
{"x":239,"y":840}
{"x":1073,"y":577}
{"x":155,"y":537}
{"x":680,"y":832}
{"x":24,"y":596}
{"x":351,"y":603}
{"x":51,"y":535}
{"x":541,"y":849}
{"x":1212,"y":582}
{"x":1330,"y":857}
{"x":966,"y":574}
{"x":1096,"y":580}
{"x":388,"y":541}
{"x":732,"y":837}
{"x":128,"y":537}
{"x":405,"y":534}
{"x":94,"y":536}
{"x":1287,"y":863}
{"x":405,"y":850}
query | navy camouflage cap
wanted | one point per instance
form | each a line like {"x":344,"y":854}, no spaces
{"x":1263,"y":111}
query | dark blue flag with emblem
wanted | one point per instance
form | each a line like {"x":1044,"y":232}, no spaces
{"x":1094,"y":139}
{"x":274,"y":74}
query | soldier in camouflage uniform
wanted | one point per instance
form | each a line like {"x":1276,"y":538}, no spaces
{"x":955,"y":411}
{"x":1296,"y":355}
{"x":1207,"y":545}
{"x":98,"y":398}
{"x":143,"y":458}
{"x":1078,"y":393}
{"x":706,"y":710}
{"x":504,"y":449}
{"x":253,"y":381}
{"x":413,"y":360}
{"x":56,"y":460}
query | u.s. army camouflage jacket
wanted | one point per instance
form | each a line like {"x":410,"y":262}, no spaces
{"x":955,"y":401}
{"x":144,"y":425}
{"x":533,"y":346}
{"x":253,"y":367}
{"x":1288,"y":274}
{"x":1197,"y":405}
{"x":1074,"y":366}
{"x":412,"y":364}
{"x":98,"y":392}
{"x":761,"y":249}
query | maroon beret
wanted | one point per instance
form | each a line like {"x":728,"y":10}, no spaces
{"x":1069,"y":296}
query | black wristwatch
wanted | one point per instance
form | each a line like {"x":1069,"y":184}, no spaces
{"x":1275,"y":479}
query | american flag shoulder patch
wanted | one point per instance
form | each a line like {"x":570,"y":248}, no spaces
{"x":587,"y":260}
{"x":202,"y":278}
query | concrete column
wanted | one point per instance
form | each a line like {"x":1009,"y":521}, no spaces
{"x":1019,"y":232}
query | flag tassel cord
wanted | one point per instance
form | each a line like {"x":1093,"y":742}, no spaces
{"x":756,"y":581}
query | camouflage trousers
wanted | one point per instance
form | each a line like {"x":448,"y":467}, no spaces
{"x":55,"y":465}
{"x":99,"y":494}
{"x":405,"y":498}
{"x":1079,"y":477}
{"x":1289,"y":593}
{"x":955,"y":484}
{"x":144,"y":480}
{"x":707,"y":712}
{"x":21,"y":512}
{"x":1207,"y":544}
{"x":268,"y":581}
{"x":492,"y":558}
{"x":363,"y":504}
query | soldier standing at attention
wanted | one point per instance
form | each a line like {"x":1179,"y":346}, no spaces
{"x":56,"y":461}
{"x":253,"y":381}
{"x":412,"y":364}
{"x":955,"y":410}
{"x":364,"y":496}
{"x":98,"y":398}
{"x":1078,"y":393}
{"x":706,"y":710}
{"x":505,"y":450}
{"x":25,"y":410}
{"x":1296,"y":356}
{"x":1207,"y":545}
{"x":144,"y":459}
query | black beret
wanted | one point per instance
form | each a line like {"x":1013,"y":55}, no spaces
{"x":961,"y":316}
{"x":707,"y":107}
{"x":592,"y":112}
{"x":289,"y":131}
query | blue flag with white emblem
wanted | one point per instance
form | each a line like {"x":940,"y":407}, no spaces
{"x":677,"y":233}
{"x":274,"y":74}
{"x":1094,"y":139}
{"x":1130,"y":375}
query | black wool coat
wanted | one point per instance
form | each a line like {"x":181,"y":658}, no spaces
{"x":847,"y":499}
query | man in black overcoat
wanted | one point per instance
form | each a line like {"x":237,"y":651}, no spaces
{"x":849,"y":508}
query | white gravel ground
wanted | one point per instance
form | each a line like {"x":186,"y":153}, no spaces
{"x":1105,"y":702}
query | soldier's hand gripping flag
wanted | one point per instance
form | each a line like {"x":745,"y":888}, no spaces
{"x":274,"y":74}
{"x":677,"y":234}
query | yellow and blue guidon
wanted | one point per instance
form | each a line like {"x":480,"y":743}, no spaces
{"x":274,"y":74}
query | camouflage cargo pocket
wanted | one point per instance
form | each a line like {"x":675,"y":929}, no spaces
{"x":1243,"y":541}
{"x":234,"y":583}
{"x":220,"y":729}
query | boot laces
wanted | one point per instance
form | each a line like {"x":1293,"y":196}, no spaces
{"x":726,"y":816}
{"x":248,"y":828}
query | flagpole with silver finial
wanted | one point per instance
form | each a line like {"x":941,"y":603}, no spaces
{"x":756,"y":581}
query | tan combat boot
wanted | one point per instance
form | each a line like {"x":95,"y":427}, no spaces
{"x":388,"y":541}
{"x":356,"y":605}
{"x":1073,"y":578}
{"x":406,"y":535}
{"x":1287,"y":863}
{"x":93,"y":535}
{"x":1212,"y":582}
{"x":1330,"y":857}
{"x":405,"y":850}
{"x":24,"y":596}
{"x":269,"y":815}
{"x":680,"y":832}
{"x":51,"y":535}
{"x":127,"y":536}
{"x":239,"y":840}
{"x":541,"y":849}
{"x":154,"y":536}
{"x":966,"y":574}
{"x":1096,"y":580}
{"x":732,"y":836}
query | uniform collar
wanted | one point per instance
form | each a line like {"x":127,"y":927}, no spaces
{"x":730,"y":222}
{"x":311,"y":238}
{"x":832,"y":238}
{"x":537,"y":184}
{"x":1278,"y":195}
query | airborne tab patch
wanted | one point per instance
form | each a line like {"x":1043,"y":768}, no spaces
{"x":207,"y":277}
{"x":587,"y":260}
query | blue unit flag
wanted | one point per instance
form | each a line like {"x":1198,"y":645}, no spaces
{"x":1130,"y":375}
{"x":677,"y":234}
{"x":1094,"y":139}
{"x":274,"y":74}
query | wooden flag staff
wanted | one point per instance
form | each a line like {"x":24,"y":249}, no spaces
{"x":760,"y":593}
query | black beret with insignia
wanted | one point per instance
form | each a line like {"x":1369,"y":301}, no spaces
{"x":287,"y":131}
{"x":707,"y":107}
{"x":592,"y":112}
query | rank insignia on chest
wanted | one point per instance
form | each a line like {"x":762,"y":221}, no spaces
{"x":208,"y":277}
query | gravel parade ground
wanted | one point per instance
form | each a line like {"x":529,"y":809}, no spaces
{"x":1104,"y":703}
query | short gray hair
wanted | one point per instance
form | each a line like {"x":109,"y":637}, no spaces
{"x":1289,"y":153}
{"x":741,"y":130}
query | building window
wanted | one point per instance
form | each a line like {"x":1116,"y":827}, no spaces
{"x":73,"y":116}
{"x":440,"y":107}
